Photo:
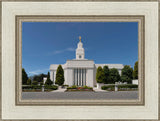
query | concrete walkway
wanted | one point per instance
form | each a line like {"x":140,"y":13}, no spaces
{"x":59,"y":90}
{"x":99,"y":90}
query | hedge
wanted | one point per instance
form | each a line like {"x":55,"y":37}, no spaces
{"x":72,"y":87}
{"x":128,"y":86}
{"x":75,"y":87}
{"x":53,"y":87}
{"x":32,"y":87}
{"x":111,"y":87}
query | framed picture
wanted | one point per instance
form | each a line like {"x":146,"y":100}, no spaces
{"x":87,"y":60}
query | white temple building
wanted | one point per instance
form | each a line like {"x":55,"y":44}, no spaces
{"x":80,"y":71}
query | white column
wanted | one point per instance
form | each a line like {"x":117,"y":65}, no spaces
{"x":85,"y":76}
{"x":75,"y":76}
{"x":81,"y":77}
{"x":78,"y":77}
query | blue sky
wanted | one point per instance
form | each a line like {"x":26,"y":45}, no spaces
{"x":45,"y":43}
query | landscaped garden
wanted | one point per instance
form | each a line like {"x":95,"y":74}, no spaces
{"x":38,"y":88}
{"x":77,"y":88}
{"x":122,"y":87}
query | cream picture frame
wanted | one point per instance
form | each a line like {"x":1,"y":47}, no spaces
{"x":144,"y":12}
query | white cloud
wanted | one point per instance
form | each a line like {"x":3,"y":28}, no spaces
{"x":70,"y":49}
{"x":38,"y":71}
{"x":62,"y":51}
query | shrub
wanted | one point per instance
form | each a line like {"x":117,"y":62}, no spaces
{"x":114,"y":76}
{"x":112,"y":87}
{"x":100,"y":76}
{"x":127,"y":73}
{"x":41,"y":83}
{"x":106,"y":74}
{"x":86,"y":87}
{"x":52,"y":87}
{"x":48,"y":81}
{"x":76,"y":88}
{"x":24,"y":77}
{"x":34,"y":83}
{"x":135,"y":71}
{"x":128,"y":86}
{"x":108,"y":87}
{"x":59,"y":76}
{"x":29,"y":82}
{"x":63,"y":86}
{"x":72,"y":87}
{"x":32,"y":87}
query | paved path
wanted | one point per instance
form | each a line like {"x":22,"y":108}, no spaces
{"x":59,"y":90}
{"x":80,"y":95}
{"x":99,"y":90}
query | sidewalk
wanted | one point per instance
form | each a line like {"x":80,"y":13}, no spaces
{"x":98,"y":90}
{"x":59,"y":90}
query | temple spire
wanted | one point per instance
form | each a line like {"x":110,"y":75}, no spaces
{"x":80,"y":50}
{"x":80,"y":38}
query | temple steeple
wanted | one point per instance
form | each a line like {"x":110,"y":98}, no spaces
{"x":80,"y":38}
{"x":80,"y":50}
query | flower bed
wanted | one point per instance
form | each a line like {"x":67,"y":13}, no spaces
{"x":76,"y":88}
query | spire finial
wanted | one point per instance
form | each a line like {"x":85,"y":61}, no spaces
{"x":80,"y":38}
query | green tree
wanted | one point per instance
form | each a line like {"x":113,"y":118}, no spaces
{"x":39,"y":78}
{"x":126,"y":74}
{"x":59,"y":75}
{"x":24,"y":77}
{"x":29,"y":82}
{"x":34,"y":83}
{"x":100,"y":75}
{"x":135,"y":71}
{"x":114,"y":76}
{"x":106,"y":74}
{"x":48,"y":81}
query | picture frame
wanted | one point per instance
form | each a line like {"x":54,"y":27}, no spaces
{"x":20,"y":19}
{"x":146,"y":15}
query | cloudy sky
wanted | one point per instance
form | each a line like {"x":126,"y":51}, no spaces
{"x":45,"y":43}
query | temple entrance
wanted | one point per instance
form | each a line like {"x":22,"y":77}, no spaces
{"x":79,"y":77}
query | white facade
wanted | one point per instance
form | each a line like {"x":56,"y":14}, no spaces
{"x":80,"y":71}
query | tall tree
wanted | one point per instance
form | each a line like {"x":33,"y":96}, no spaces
{"x":135,"y":71}
{"x":29,"y":82}
{"x":59,"y":76}
{"x":127,"y":73}
{"x":114,"y":76}
{"x":24,"y":77}
{"x":106,"y":74}
{"x":100,"y":75}
{"x":48,"y":81}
